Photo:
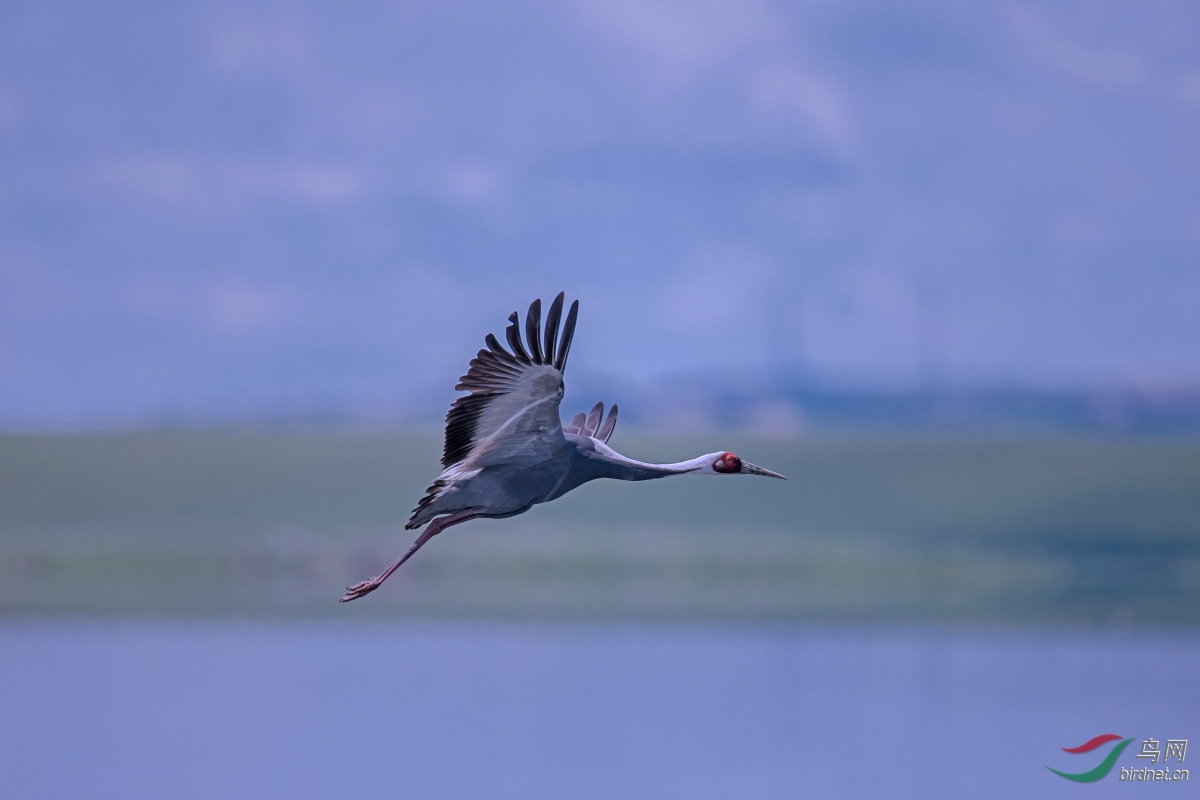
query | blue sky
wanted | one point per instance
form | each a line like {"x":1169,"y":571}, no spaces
{"x":229,"y":209}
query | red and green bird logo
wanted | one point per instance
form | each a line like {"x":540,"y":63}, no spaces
{"x":1101,"y":769}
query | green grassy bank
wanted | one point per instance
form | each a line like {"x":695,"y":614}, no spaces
{"x":1042,"y":531}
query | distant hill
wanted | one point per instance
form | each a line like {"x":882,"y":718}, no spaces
{"x":756,"y":401}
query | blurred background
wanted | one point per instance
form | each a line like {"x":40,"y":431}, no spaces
{"x":936,"y":263}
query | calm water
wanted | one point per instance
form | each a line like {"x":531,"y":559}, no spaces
{"x":300,"y":710}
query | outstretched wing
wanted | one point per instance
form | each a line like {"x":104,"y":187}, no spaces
{"x":511,"y":413}
{"x":589,"y":424}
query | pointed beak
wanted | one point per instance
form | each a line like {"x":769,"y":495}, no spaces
{"x":751,"y":469}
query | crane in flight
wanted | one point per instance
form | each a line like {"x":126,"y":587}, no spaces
{"x":507,"y":450}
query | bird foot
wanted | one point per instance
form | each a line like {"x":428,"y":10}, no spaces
{"x":362,"y":588}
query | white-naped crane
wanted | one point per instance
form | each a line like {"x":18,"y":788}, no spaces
{"x":506,"y":448}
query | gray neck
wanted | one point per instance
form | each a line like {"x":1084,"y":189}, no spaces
{"x":630,"y":469}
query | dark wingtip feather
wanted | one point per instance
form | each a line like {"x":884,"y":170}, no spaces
{"x":513,"y":334}
{"x":497,"y":348}
{"x":552,"y":318}
{"x":564,"y":346}
{"x":576,"y":424}
{"x":533,"y":324}
{"x":606,"y":430}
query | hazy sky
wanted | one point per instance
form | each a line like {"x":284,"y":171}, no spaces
{"x":233,"y":208}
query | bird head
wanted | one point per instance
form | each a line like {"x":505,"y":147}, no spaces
{"x":726,"y":463}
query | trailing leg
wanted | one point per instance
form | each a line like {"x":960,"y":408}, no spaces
{"x":434,"y":528}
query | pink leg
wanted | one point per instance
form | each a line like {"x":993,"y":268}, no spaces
{"x":434,"y":528}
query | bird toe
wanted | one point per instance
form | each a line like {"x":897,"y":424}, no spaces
{"x":358,"y":590}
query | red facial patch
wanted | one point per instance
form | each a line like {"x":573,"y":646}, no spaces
{"x":728,"y":463}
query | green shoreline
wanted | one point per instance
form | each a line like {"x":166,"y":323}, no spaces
{"x":1075,"y":532}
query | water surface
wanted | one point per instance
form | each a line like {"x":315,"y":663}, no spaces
{"x":527,"y":710}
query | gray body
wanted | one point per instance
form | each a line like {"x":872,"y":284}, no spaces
{"x":500,"y":491}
